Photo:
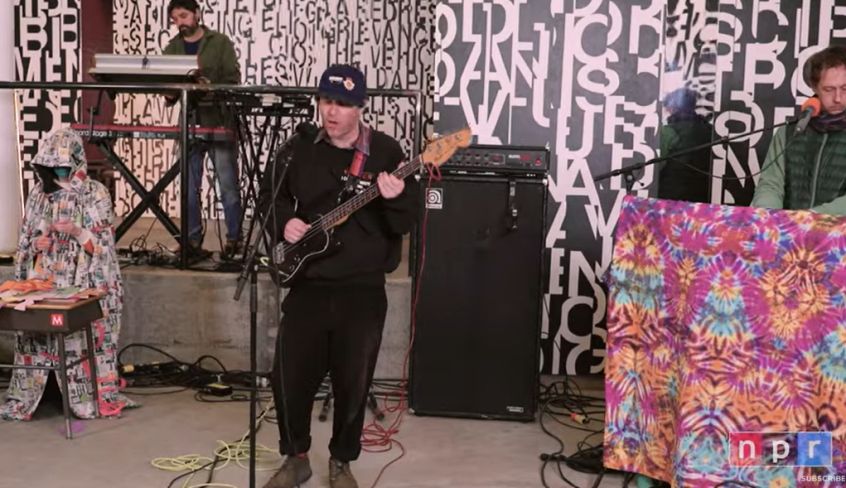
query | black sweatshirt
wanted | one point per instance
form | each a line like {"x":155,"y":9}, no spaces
{"x":371,"y":238}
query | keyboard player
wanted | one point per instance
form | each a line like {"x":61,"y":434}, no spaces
{"x":218,"y":64}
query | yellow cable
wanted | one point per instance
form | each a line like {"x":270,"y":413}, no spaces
{"x":227,"y":451}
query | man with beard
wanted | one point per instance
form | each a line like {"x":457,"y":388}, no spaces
{"x":218,"y":64}
{"x":807,"y":170}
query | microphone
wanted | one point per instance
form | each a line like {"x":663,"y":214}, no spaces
{"x":307,"y":130}
{"x":303,"y":130}
{"x":810,"y":109}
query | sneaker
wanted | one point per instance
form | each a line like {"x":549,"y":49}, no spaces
{"x":340,"y":475}
{"x":294,"y":472}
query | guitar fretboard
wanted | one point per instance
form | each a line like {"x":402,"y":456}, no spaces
{"x":342,"y":211}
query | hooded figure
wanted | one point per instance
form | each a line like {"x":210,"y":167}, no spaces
{"x":67,"y":234}
{"x":685,"y":177}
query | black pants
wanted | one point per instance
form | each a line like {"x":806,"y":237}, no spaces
{"x":335,"y":329}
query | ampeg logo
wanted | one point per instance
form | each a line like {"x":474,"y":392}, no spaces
{"x":435,"y":198}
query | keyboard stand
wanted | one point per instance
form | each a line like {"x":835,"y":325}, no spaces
{"x":149,"y":198}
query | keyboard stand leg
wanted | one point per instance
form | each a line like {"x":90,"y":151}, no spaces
{"x":149,"y":199}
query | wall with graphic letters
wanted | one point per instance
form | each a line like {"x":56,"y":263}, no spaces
{"x":287,"y":43}
{"x":47,"y":48}
{"x":586,"y":78}
{"x":279,"y":42}
{"x":583,"y":77}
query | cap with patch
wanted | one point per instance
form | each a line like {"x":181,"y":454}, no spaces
{"x":343,"y":82}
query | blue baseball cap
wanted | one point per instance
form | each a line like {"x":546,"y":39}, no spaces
{"x":343,"y":82}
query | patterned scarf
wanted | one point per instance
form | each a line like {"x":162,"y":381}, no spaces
{"x":829,"y":122}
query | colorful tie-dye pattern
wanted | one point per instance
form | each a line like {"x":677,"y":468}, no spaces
{"x":723,"y":319}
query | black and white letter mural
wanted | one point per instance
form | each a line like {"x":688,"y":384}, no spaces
{"x":586,"y":78}
{"x":47,"y":48}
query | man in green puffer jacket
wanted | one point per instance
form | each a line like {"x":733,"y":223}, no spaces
{"x":218,"y":65}
{"x":807,"y":170}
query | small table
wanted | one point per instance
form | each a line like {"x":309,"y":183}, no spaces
{"x":59,"y":318}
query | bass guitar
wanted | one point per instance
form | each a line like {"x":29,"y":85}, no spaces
{"x":290,"y":258}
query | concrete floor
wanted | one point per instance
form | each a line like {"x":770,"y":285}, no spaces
{"x":440,"y":452}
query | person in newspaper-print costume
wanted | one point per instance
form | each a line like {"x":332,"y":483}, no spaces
{"x":68,"y":235}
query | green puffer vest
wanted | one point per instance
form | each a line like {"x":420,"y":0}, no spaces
{"x":801,"y":156}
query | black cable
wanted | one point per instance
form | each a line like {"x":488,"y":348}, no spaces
{"x":174,"y":480}
{"x":546,"y":458}
{"x":599,"y":478}
{"x":233,"y":398}
{"x":710,"y":174}
{"x":199,"y":361}
{"x":216,"y":460}
{"x":182,"y":376}
{"x":140,"y":243}
{"x":565,"y":399}
{"x":145,"y":346}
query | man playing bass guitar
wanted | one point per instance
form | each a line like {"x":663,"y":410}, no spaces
{"x":335,"y":311}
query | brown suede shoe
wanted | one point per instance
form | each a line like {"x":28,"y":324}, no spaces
{"x":294,"y":472}
{"x":340,"y":475}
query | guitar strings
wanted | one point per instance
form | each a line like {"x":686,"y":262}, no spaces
{"x":317,"y":225}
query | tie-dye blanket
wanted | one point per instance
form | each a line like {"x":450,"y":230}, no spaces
{"x":725,"y":320}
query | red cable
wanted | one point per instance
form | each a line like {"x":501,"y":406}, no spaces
{"x":374,"y":437}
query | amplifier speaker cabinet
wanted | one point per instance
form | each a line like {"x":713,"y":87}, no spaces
{"x":478,"y":318}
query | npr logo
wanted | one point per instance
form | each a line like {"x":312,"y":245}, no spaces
{"x":780,"y":448}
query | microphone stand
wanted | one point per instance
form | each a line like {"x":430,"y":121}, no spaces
{"x":628,"y":171}
{"x":250,"y":270}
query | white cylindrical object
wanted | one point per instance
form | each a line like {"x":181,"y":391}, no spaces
{"x":10,"y":177}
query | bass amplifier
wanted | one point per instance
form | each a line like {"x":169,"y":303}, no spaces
{"x":478,"y":315}
{"x":486,"y":159}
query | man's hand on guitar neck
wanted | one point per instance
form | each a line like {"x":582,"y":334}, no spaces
{"x":389,"y":185}
{"x":295,"y":229}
